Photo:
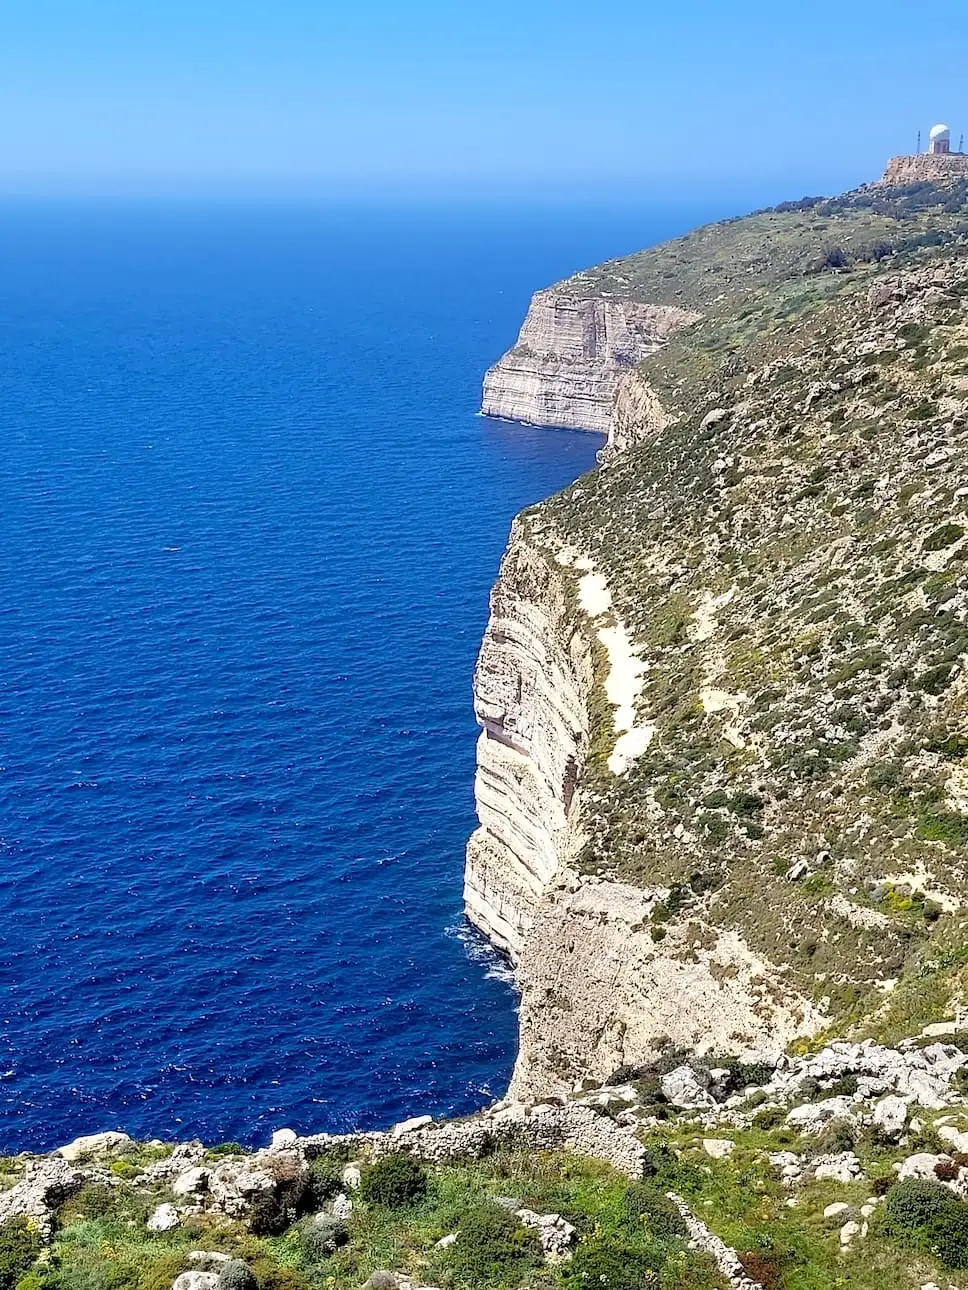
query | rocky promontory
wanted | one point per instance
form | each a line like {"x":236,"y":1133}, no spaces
{"x":724,"y":755}
{"x":570,"y":355}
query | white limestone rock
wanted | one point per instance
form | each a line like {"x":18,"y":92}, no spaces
{"x":843,"y":1168}
{"x":342,"y":1206}
{"x":838,"y":1208}
{"x":890,"y":1116}
{"x":164,"y":1218}
{"x":572,"y":351}
{"x":813,"y":1116}
{"x":849,"y":1232}
{"x":92,"y":1145}
{"x":555,"y":1233}
{"x":718,"y":1148}
{"x":191,"y":1182}
{"x":682,"y":1088}
{"x":411,"y":1125}
{"x":196,"y":1281}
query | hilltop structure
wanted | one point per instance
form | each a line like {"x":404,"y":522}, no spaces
{"x":939,"y":141}
{"x":939,"y":165}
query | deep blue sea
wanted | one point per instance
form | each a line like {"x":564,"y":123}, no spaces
{"x":248,"y":523}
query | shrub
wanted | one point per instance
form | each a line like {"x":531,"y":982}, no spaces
{"x":645,"y":1203}
{"x":606,"y":1264}
{"x":395,"y":1182}
{"x":948,"y":1235}
{"x":835,"y":1138}
{"x":493,"y":1246}
{"x":928,"y":1216}
{"x":322,"y":1236}
{"x":325,"y":1178}
{"x":771,"y":1117}
{"x":236,"y":1275}
{"x":913,"y":1203}
{"x":224,"y":1149}
{"x":846,"y":1086}
{"x":764,"y":1269}
{"x":19,"y":1246}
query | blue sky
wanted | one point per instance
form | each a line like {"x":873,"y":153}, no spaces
{"x":509,"y":97}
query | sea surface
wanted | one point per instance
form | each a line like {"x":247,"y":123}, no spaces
{"x":248,"y":523}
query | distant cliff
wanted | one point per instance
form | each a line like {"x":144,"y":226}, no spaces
{"x":570,"y":355}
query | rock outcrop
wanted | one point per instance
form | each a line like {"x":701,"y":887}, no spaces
{"x":570,"y":355}
{"x":531,"y":689}
{"x":926,"y":168}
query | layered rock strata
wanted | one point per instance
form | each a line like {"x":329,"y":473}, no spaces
{"x":531,"y":686}
{"x":570,"y":355}
{"x":598,"y":991}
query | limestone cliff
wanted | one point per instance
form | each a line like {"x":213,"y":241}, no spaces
{"x":571,"y":352}
{"x":598,"y":992}
{"x":531,"y":692}
{"x":722,"y":775}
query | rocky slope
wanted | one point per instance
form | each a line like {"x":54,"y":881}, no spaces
{"x":841,"y":1166}
{"x":722,"y":779}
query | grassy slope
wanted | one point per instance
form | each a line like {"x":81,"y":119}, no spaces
{"x":825,"y":504}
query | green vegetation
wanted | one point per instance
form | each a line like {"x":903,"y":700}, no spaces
{"x":101,"y":1241}
{"x":394,"y":1181}
{"x":832,"y":338}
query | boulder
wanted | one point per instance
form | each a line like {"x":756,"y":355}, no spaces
{"x":164,"y":1218}
{"x":890,"y":1116}
{"x":836,"y":1210}
{"x":718,"y":1148}
{"x":843,"y":1168}
{"x":682,"y":1088}
{"x":191,"y":1182}
{"x":848,"y":1232}
{"x":351,"y":1177}
{"x":382,"y":1280}
{"x":957,"y":1139}
{"x":555,"y":1233}
{"x":283,"y":1138}
{"x":92,"y":1145}
{"x":812,"y":1116}
{"x":196,"y":1281}
{"x":922,"y":1165}
{"x":342,"y":1206}
{"x":411,"y":1125}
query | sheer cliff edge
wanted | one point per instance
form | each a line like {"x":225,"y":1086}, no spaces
{"x":722,"y":777}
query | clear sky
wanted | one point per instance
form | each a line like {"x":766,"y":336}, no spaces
{"x":509,"y":97}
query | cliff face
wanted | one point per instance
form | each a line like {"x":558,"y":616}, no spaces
{"x":598,"y":991}
{"x":570,"y":354}
{"x":722,"y":775}
{"x":531,"y":690}
{"x":925,"y":167}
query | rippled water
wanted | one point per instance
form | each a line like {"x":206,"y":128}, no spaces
{"x":249,"y":520}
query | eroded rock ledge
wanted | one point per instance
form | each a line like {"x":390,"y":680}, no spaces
{"x":570,"y":356}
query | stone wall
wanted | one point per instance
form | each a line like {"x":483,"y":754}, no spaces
{"x":574,"y":1127}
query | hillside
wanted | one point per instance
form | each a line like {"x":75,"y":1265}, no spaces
{"x":757,"y":611}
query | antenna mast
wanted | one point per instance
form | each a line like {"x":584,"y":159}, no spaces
{"x":919,"y":141}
